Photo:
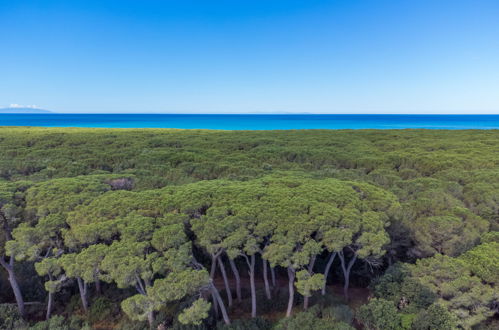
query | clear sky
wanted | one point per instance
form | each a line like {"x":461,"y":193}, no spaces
{"x":220,"y":56}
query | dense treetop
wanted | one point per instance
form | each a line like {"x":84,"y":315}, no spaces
{"x":181,"y":227}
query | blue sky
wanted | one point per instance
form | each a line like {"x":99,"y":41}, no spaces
{"x":239,"y":56}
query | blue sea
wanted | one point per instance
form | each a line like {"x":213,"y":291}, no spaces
{"x":253,"y":122}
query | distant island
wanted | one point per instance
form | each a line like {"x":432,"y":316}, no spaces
{"x":23,"y":110}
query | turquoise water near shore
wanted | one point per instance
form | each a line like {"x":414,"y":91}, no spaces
{"x":253,"y":122}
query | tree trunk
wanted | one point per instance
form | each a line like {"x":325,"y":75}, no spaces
{"x":212,"y":276}
{"x":326,"y":271}
{"x":215,"y":306}
{"x":266,"y":278}
{"x":9,"y":267}
{"x":226,"y":281}
{"x":213,"y":266}
{"x":150,"y":318}
{"x":49,"y":306}
{"x":252,"y":284}
{"x":238,"y":279}
{"x":98,"y":288}
{"x":291,"y":288}
{"x":272,"y":275}
{"x":82,"y":286}
{"x":305,"y":302}
{"x":310,"y":270}
{"x":17,"y":292}
{"x":346,"y":272}
{"x":50,"y":301}
{"x":216,"y":296}
{"x":311,"y":264}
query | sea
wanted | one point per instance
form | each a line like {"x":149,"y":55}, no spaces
{"x":253,"y":121}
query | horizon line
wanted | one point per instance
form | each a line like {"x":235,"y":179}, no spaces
{"x":246,"y":113}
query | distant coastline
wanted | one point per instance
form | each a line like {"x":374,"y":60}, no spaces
{"x":19,"y":110}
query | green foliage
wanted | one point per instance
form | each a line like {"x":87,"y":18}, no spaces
{"x":306,"y":284}
{"x":196,"y":313}
{"x":249,"y":324}
{"x":379,"y":314}
{"x":60,"y":323}
{"x":11,"y":209}
{"x":341,"y":313}
{"x":10,"y":317}
{"x":461,"y":292}
{"x":449,"y":235}
{"x":127,"y":324}
{"x":407,"y":293}
{"x":137,"y":307}
{"x":177,"y":285}
{"x":102,"y":309}
{"x":65,"y":194}
{"x":435,"y":317}
{"x":407,"y":320}
{"x":483,"y":261}
{"x":490,"y":237}
{"x":145,"y":210}
{"x":311,"y":320}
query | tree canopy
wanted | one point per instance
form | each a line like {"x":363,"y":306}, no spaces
{"x":203,"y":229}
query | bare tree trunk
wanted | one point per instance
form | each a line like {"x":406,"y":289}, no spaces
{"x":310,"y":271}
{"x":346,"y":272}
{"x":291,"y":288}
{"x":49,"y":306}
{"x":17,"y":293}
{"x":82,"y":286}
{"x":238,"y":279}
{"x":98,"y":289}
{"x":215,"y":306}
{"x":226,"y":281}
{"x":272,"y":275}
{"x":212,"y":276}
{"x":266,"y":278}
{"x":216,"y":296}
{"x":326,"y":271}
{"x":150,"y":318}
{"x":214,"y":292}
{"x":9,"y":267}
{"x":252,"y":284}
{"x":50,"y":301}
{"x":150,"y":315}
{"x":213,"y":266}
{"x":311,"y":264}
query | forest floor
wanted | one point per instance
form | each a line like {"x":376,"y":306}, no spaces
{"x":357,"y":296}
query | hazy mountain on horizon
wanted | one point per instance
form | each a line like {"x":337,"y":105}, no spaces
{"x":23,"y":110}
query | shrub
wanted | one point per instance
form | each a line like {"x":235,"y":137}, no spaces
{"x":311,"y":320}
{"x":436,"y":317}
{"x":379,"y":314}
{"x":406,"y":293}
{"x":249,"y":324}
{"x":407,"y":320}
{"x":102,"y":309}
{"x":339,"y":313}
{"x":10,"y":317}
{"x":127,"y":324}
{"x":60,"y":323}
